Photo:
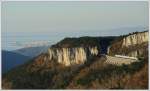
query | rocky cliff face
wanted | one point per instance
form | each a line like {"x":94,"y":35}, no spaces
{"x":134,"y":39}
{"x":69,"y":56}
{"x":131,"y":45}
{"x":69,"y":53}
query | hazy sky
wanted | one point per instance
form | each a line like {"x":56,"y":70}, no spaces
{"x":53,"y":19}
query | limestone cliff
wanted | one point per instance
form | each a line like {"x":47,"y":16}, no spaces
{"x":134,"y":39}
{"x":69,"y":56}
{"x":135,"y":44}
{"x":70,"y":51}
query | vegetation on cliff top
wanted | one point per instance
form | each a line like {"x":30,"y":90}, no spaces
{"x":83,"y":42}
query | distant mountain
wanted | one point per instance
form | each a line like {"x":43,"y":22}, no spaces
{"x":11,"y":60}
{"x":31,"y":51}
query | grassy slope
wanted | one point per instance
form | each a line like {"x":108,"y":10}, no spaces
{"x":93,"y":75}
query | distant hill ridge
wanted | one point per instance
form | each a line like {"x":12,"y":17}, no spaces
{"x":11,"y":60}
{"x":32,"y":51}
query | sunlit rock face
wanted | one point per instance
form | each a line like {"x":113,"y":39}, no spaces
{"x":134,"y":39}
{"x":70,"y":56}
{"x":131,"y":45}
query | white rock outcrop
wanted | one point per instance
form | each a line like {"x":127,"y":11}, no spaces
{"x":134,"y":39}
{"x":69,"y":56}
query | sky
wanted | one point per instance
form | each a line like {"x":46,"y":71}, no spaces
{"x":27,"y":22}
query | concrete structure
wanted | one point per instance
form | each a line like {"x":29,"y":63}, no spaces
{"x":120,"y":60}
{"x":121,"y":56}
